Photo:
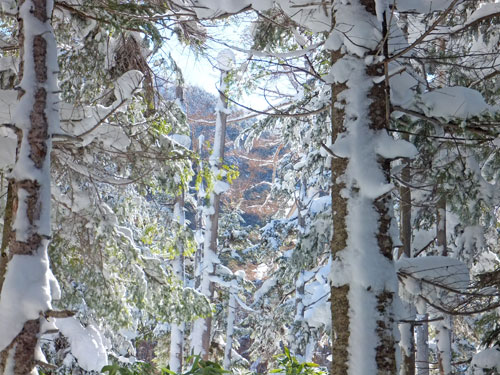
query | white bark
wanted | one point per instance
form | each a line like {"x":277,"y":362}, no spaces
{"x":177,"y":330}
{"x":443,"y":342}
{"x":231,"y":315}
{"x":201,"y":333}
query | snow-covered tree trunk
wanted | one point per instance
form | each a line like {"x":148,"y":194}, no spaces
{"x":422,"y":343}
{"x":7,"y":226}
{"x":299,"y":311}
{"x":301,"y":203}
{"x":201,"y":334}
{"x":443,"y":343}
{"x":441,"y":226}
{"x":407,"y":343}
{"x":177,"y":330}
{"x":231,"y":315}
{"x":443,"y":327}
{"x":364,"y":283}
{"x":25,"y":300}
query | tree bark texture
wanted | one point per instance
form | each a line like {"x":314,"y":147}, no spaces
{"x":29,"y":234}
{"x":363,"y":321}
{"x":7,"y":226}
{"x":339,"y":295}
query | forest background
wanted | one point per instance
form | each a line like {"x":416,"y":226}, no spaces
{"x":348,"y":223}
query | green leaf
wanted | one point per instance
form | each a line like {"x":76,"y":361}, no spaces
{"x":166,"y":370}
{"x":311,"y":364}
{"x":287,"y":352}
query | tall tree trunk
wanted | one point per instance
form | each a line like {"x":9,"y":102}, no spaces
{"x":422,"y":334}
{"x":301,"y":204}
{"x":361,"y":300}
{"x":406,"y":329}
{"x":177,"y":329}
{"x":294,"y":340}
{"x":202,"y":328}
{"x":443,"y":327}
{"x":441,"y":226}
{"x":26,"y":292}
{"x":7,"y":227}
{"x":231,"y":315}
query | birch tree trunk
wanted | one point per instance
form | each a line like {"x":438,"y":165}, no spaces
{"x":361,"y":300}
{"x":202,"y":328}
{"x":25,"y":299}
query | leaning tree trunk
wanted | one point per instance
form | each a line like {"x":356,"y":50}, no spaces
{"x":25,"y":300}
{"x":364,"y":283}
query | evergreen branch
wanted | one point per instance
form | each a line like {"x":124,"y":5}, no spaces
{"x":282,"y":114}
{"x":486,"y":17}
{"x":426,"y":33}
{"x":447,"y":125}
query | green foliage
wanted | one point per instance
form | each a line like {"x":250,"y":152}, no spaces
{"x":138,"y":368}
{"x":289,"y":365}
{"x":227,"y":172}
{"x":199,"y":367}
{"x":202,"y":367}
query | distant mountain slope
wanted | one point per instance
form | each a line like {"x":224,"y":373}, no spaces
{"x":250,"y":193}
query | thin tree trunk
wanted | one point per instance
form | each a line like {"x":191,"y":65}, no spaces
{"x":23,"y":304}
{"x":300,"y":203}
{"x":407,"y":343}
{"x":443,"y":327}
{"x":422,"y":355}
{"x":177,"y":330}
{"x":7,"y":227}
{"x":231,"y":315}
{"x":441,"y":226}
{"x":406,"y":329}
{"x":362,"y":302}
{"x":299,"y":313}
{"x":202,"y":328}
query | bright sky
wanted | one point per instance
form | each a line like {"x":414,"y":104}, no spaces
{"x":198,"y":70}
